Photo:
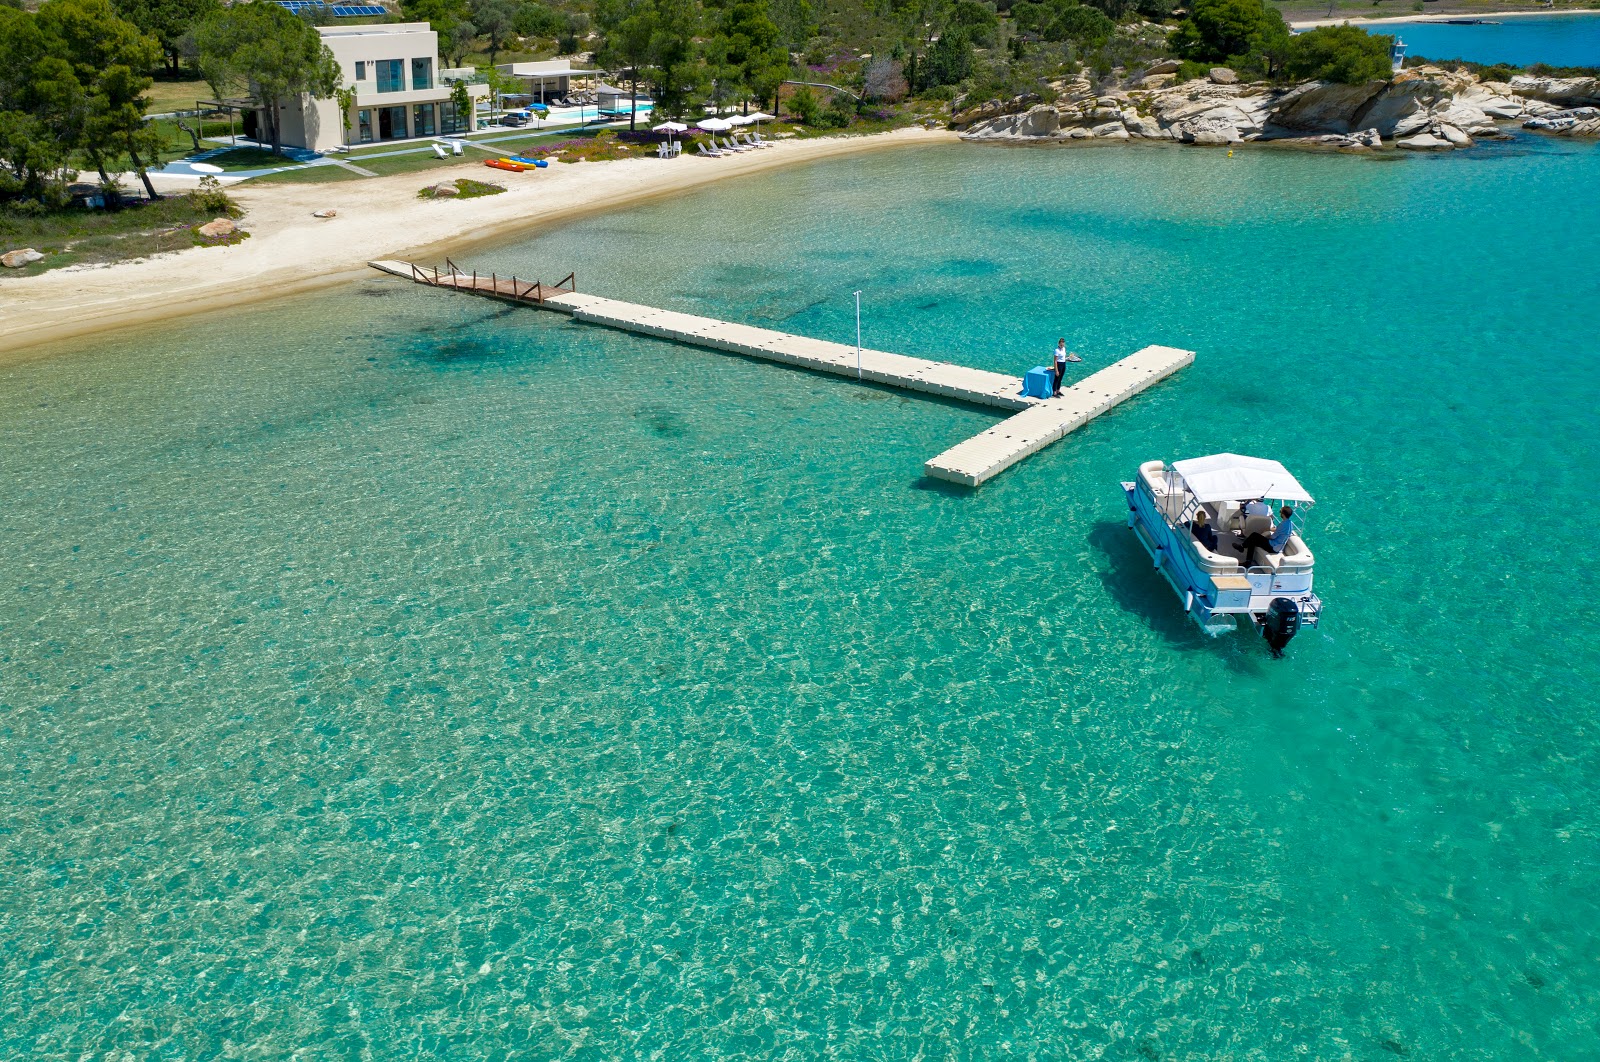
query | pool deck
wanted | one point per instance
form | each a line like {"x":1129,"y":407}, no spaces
{"x":1035,"y":423}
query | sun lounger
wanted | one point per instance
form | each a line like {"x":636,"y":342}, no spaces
{"x":729,"y":145}
{"x":457,"y":147}
{"x":440,"y":152}
{"x":714,"y":153}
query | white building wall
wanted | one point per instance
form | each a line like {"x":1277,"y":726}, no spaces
{"x":315,"y":122}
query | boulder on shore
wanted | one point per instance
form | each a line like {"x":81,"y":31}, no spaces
{"x":1562,"y":91}
{"x":22,"y":256}
{"x":1221,"y":75}
{"x":1325,"y":106}
{"x":445,"y":190}
{"x":217,"y":228}
{"x":1580,"y":121}
{"x":326,"y":213}
{"x":1424,"y":142}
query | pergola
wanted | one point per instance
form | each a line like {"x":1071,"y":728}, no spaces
{"x":239,"y":105}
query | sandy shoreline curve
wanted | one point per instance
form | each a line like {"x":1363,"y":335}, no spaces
{"x":1313,"y":24}
{"x":290,"y":252}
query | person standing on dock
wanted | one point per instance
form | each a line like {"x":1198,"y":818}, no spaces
{"x":1061,"y":364}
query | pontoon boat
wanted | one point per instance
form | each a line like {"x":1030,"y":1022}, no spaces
{"x":1215,"y":585}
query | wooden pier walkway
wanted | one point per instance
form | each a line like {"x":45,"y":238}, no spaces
{"x":1037,"y":422}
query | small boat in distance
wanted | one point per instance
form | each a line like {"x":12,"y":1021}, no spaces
{"x":1222,"y":499}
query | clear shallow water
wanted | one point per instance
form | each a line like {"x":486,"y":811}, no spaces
{"x":1556,"y":40}
{"x":406,"y":677}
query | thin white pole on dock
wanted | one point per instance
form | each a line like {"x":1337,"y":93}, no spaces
{"x":858,"y":335}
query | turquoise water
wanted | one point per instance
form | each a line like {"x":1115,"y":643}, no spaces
{"x":394,"y":675}
{"x":1556,"y":40}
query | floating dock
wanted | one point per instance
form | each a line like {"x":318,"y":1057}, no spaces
{"x":1036,"y":423}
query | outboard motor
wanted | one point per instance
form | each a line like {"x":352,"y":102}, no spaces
{"x":1281,"y":624}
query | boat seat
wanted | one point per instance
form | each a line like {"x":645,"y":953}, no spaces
{"x":1171,"y":505}
{"x":1253,"y":524}
{"x":1295,"y":557}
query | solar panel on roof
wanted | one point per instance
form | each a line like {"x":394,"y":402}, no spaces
{"x":357,"y":10}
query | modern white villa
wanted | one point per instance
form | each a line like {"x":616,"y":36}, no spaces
{"x":401,"y":92}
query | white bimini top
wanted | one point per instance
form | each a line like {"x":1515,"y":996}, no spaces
{"x":1234,"y":477}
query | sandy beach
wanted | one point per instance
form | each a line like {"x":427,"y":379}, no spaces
{"x":1492,"y":15}
{"x":290,"y":251}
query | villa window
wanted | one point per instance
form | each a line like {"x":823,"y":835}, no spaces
{"x":391,"y":75}
{"x":422,"y":73}
{"x":361,"y":70}
{"x":450,"y":119}
{"x":392,"y":123}
{"x":422,"y":120}
{"x":364,"y":125}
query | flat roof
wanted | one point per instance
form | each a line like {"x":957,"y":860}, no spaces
{"x":547,"y":68}
{"x":375,"y":28}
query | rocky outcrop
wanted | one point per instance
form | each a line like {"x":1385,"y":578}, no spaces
{"x":992,"y":109}
{"x":1423,"y":108}
{"x":1579,"y":121}
{"x":1324,"y":106}
{"x":1564,"y":92}
{"x":217,"y":228}
{"x":22,"y":256}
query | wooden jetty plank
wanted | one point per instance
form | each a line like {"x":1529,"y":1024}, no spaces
{"x":996,"y":449}
{"x":1036,"y":422}
{"x":978,"y":386}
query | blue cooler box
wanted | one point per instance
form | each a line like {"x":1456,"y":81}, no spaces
{"x":1040,"y":382}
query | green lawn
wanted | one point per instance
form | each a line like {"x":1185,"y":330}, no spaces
{"x":309,"y":175}
{"x":181,"y":95}
{"x":79,"y":236}
{"x":250,"y":158}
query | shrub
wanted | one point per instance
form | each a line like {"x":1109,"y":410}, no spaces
{"x":232,"y":239}
{"x":949,"y":60}
{"x":209,"y":199}
{"x":466,"y":188}
{"x":884,"y":81}
{"x":839,"y":113}
{"x":978,"y":19}
{"x":804,"y":106}
{"x":1218,"y":30}
{"x":1346,"y":54}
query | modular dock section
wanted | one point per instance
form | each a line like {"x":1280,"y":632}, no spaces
{"x":1036,"y":422}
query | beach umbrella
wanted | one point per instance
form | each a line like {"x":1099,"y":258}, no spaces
{"x":671,"y":129}
{"x":739,"y":119}
{"x":759,"y":117}
{"x":714,"y":125}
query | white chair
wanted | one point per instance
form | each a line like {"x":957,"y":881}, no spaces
{"x":713,"y":153}
{"x":457,"y":147}
{"x":440,"y":152}
{"x":729,"y":145}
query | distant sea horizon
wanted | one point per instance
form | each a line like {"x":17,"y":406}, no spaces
{"x":1555,"y":40}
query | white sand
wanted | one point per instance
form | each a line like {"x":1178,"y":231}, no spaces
{"x":289,"y":251}
{"x":1493,"y":16}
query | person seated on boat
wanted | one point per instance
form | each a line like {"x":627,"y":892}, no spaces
{"x":1204,"y":533}
{"x":1274,"y":544}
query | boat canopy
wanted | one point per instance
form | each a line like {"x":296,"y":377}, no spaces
{"x":1234,"y":477}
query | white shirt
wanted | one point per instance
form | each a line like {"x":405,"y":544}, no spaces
{"x":1256,"y":508}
